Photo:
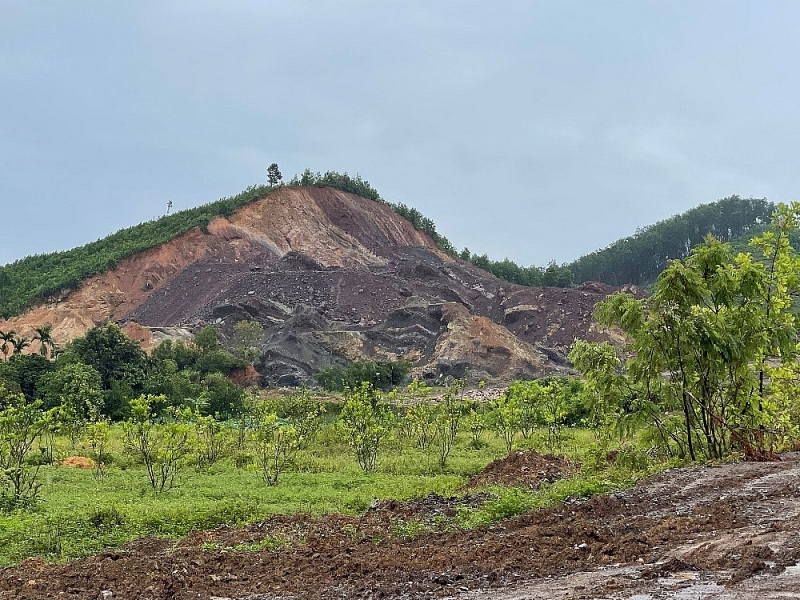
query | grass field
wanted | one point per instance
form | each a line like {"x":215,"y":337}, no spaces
{"x":78,"y":515}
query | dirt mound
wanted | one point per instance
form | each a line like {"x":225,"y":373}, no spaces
{"x":525,"y":468}
{"x":430,"y":510}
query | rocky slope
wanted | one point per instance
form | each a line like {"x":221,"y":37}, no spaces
{"x":332,"y":277}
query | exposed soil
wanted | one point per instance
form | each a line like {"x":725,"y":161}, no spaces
{"x":525,"y":468}
{"x":332,"y":277}
{"x":728,"y":531}
{"x":80,"y":462}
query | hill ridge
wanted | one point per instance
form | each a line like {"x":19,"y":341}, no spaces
{"x":309,"y":261}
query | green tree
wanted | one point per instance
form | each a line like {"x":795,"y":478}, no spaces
{"x":113,"y":354}
{"x":449,"y":412}
{"x":7,"y":347}
{"x":303,"y":411}
{"x":224,"y":398}
{"x":163,"y":444}
{"x":28,"y":370}
{"x":20,"y":343}
{"x":382,"y":375}
{"x":276,"y":442}
{"x":210,"y":440}
{"x":74,"y":384}
{"x":98,"y":434}
{"x":701,"y":343}
{"x":366,"y":421}
{"x":475,"y":424}
{"x":505,"y":419}
{"x":21,"y":423}
{"x":246,"y":338}
{"x":44,"y":336}
{"x":206,"y":339}
{"x":274,"y":175}
{"x":75,"y":390}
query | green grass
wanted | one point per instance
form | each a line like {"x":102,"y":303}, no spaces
{"x":78,"y":516}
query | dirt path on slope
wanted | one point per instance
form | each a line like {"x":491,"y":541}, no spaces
{"x":717,"y":532}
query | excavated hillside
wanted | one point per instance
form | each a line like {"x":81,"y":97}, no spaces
{"x":332,"y":277}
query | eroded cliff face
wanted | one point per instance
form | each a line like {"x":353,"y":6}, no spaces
{"x":332,"y":277}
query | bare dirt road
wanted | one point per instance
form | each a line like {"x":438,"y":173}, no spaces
{"x":730,"y":531}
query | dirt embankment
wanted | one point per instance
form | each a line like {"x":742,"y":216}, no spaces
{"x":730,"y":531}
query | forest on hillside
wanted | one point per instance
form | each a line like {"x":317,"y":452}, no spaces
{"x":640,"y":258}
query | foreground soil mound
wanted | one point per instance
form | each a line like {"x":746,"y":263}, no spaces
{"x":526,"y":468}
{"x":725,"y":532}
{"x":332,"y":277}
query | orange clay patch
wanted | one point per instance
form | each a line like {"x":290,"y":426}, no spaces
{"x":78,"y":461}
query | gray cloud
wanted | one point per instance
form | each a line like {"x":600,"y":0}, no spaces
{"x":535,"y":131}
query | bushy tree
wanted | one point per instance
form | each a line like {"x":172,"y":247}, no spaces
{"x":21,"y":423}
{"x":26,"y":370}
{"x":246,"y":338}
{"x":207,"y":339}
{"x":224,"y":398}
{"x":382,"y":375}
{"x":302,"y":410}
{"x":210,"y":440}
{"x":276,"y":442}
{"x":449,"y":411}
{"x":112,"y":353}
{"x":505,"y":419}
{"x":366,"y":421}
{"x":74,"y":390}
{"x":702,"y":344}
{"x":162,"y":444}
{"x":98,"y":434}
{"x":274,"y":175}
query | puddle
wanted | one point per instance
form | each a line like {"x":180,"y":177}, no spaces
{"x":792,"y":570}
{"x":697,"y":591}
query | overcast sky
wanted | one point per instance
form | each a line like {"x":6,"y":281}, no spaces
{"x":528,"y":130}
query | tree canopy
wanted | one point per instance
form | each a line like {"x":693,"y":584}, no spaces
{"x":712,"y":353}
{"x":638,"y":259}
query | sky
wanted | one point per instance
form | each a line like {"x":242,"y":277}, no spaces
{"x":533,"y":130}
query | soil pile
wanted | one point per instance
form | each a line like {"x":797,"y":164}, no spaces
{"x":525,"y":468}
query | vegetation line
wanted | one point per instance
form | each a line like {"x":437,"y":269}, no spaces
{"x":637,"y":259}
{"x":36,"y":277}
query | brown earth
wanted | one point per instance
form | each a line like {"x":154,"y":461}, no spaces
{"x":522,"y":468}
{"x":81,"y":462}
{"x":729,"y":531}
{"x":332,"y":277}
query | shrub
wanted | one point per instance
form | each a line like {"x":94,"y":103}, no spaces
{"x":366,"y":421}
{"x":21,"y":423}
{"x":382,"y":375}
{"x":162,"y":447}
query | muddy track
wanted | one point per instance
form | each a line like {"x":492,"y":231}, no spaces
{"x":727,"y":531}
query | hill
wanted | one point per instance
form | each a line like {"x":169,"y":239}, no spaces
{"x":640,"y":258}
{"x":34,"y":278}
{"x":332,"y":277}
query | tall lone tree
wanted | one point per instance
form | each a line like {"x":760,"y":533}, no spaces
{"x":274,"y":175}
